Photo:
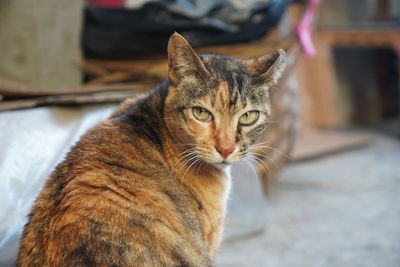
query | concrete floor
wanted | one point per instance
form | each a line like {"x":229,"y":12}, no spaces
{"x":340,"y":210}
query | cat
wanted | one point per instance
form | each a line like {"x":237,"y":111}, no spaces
{"x":149,"y":185}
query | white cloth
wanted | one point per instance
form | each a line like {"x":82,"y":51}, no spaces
{"x":32,"y":142}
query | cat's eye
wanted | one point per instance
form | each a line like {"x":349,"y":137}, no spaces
{"x":201,"y":114}
{"x":249,"y":118}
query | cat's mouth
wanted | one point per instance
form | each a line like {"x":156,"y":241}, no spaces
{"x":215,"y":159}
{"x":219,"y":163}
{"x":224,"y":162}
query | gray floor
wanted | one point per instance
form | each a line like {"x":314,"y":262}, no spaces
{"x":340,"y":210}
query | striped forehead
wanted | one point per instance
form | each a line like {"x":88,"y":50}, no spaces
{"x":241,"y":83}
{"x":221,"y":97}
{"x":228,"y":69}
{"x":237,"y":81}
{"x":225,"y":98}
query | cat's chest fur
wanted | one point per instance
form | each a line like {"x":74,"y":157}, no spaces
{"x":209,"y":196}
{"x":208,"y":191}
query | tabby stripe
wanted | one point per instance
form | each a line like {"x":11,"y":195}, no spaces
{"x":194,"y":196}
{"x":104,"y":188}
{"x":117,"y":165}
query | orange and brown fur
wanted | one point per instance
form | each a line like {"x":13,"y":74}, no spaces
{"x":147,"y":187}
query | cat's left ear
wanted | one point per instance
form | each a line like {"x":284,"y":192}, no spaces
{"x":269,"y":68}
{"x":183,"y":62}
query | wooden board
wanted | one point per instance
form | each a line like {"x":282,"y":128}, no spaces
{"x":313,"y":144}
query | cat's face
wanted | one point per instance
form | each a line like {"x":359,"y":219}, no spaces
{"x":217,"y":107}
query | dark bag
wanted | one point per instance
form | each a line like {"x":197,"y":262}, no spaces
{"x":111,"y":32}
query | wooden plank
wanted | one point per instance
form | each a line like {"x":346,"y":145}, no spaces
{"x":73,"y":99}
{"x":20,"y":90}
{"x":315,"y":144}
{"x":318,"y":88}
{"x":364,"y":37}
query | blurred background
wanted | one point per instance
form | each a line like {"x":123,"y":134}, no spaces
{"x":324,"y":189}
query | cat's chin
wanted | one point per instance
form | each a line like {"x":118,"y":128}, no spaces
{"x":222,"y":165}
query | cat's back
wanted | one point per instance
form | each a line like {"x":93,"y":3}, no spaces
{"x":113,"y":201}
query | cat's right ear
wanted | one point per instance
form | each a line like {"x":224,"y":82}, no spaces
{"x":182,"y":60}
{"x":269,"y":68}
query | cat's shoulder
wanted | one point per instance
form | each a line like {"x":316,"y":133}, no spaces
{"x":125,"y":105}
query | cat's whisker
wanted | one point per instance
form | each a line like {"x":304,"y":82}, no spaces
{"x":267,"y":170}
{"x":190,"y":165}
{"x":204,"y":151}
{"x":203,"y":163}
{"x":198,"y":164}
{"x":262,"y":143}
{"x":194,"y":160}
{"x":266,"y":157}
{"x":251,"y":166}
{"x":179,"y":156}
{"x":255,"y":164}
{"x":183,"y":157}
{"x":261,"y":147}
{"x":189,"y":152}
{"x":186,"y":155}
{"x":183,"y":167}
{"x":261,"y":163}
{"x":207,"y":154}
{"x":189,"y":156}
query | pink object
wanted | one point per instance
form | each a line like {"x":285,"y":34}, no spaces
{"x":107,"y":3}
{"x":304,"y":30}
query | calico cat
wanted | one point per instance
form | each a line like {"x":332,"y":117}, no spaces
{"x":148,"y":186}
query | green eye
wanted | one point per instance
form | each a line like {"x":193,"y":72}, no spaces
{"x":249,"y":118}
{"x":201,"y":114}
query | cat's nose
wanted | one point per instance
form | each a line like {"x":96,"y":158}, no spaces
{"x":225,"y":150}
